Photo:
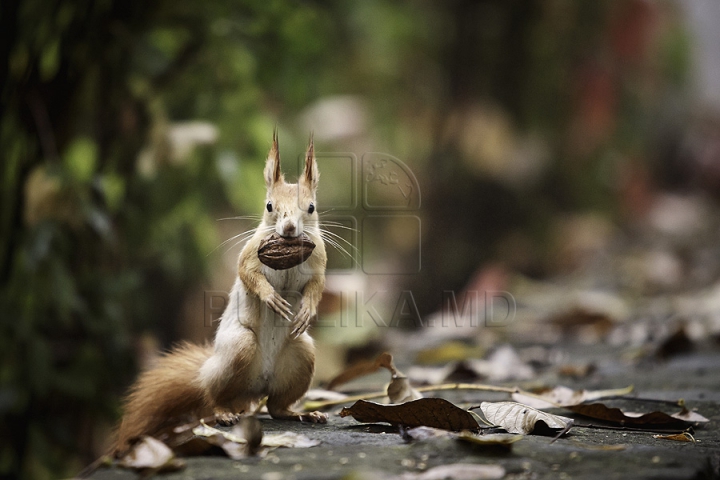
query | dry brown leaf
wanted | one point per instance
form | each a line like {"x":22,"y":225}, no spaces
{"x":360,"y":369}
{"x":429,"y":412}
{"x":400,"y":391}
{"x":580,"y":320}
{"x":631,"y":419}
{"x":522,"y":419}
{"x":150,"y":453}
{"x":678,"y":437}
{"x":459,"y":471}
{"x":563,"y":396}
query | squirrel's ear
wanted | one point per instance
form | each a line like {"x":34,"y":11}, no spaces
{"x":272,"y":165}
{"x":310,"y":175}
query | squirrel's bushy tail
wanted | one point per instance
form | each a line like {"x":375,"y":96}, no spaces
{"x":165,"y":396}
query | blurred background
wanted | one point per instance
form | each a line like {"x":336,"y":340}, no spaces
{"x":547,"y":137}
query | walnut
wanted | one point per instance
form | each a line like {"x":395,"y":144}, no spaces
{"x":281,"y":253}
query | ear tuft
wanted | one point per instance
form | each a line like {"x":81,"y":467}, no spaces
{"x":272,"y":171}
{"x":310,"y":174}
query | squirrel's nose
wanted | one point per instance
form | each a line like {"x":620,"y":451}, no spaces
{"x":289,"y":229}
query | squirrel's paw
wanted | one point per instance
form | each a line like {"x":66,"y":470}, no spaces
{"x":301,"y":322}
{"x":227,"y":419}
{"x":279,"y":305}
{"x":313,"y":417}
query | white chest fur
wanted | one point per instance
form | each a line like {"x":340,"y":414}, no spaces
{"x":240,"y":324}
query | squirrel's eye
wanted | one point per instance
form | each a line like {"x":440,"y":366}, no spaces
{"x":311,"y":208}
{"x":269,"y":206}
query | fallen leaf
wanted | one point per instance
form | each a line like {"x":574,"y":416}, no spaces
{"x":649,"y":420}
{"x":563,"y":396}
{"x":490,"y":439}
{"x":429,"y":412}
{"x":587,"y":324}
{"x":502,"y":365}
{"x":360,"y":369}
{"x":458,"y":471}
{"x":207,"y":431}
{"x":689,"y":416}
{"x":270,"y":440}
{"x":678,"y":437}
{"x":289,"y":440}
{"x":522,"y":419}
{"x":400,"y":391}
{"x":150,"y":453}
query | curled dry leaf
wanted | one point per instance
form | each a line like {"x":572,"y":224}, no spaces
{"x":689,"y":416}
{"x":429,"y":412}
{"x":678,"y":437}
{"x":563,"y":396}
{"x":522,"y":419}
{"x":655,"y":419}
{"x":150,"y":453}
{"x":360,"y":369}
{"x":458,"y":471}
{"x":400,"y":391}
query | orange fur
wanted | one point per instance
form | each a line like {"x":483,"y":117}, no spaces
{"x":165,"y":395}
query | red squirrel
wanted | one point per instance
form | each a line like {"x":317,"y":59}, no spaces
{"x":253,"y":355}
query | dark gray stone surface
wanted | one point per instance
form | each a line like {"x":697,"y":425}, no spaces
{"x":352,"y":450}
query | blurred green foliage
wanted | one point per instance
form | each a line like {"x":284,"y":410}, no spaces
{"x":106,"y":226}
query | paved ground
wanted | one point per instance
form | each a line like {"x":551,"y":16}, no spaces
{"x":352,"y":450}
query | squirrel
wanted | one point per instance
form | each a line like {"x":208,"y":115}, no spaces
{"x":252,"y":355}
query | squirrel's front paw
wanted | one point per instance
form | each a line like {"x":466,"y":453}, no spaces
{"x":279,"y":305}
{"x":301,"y":322}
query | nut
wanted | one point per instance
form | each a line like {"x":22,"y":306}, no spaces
{"x":281,"y":253}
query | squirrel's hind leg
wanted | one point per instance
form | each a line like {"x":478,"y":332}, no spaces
{"x":293,"y":374}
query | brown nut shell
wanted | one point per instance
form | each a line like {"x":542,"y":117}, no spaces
{"x":281,"y":253}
